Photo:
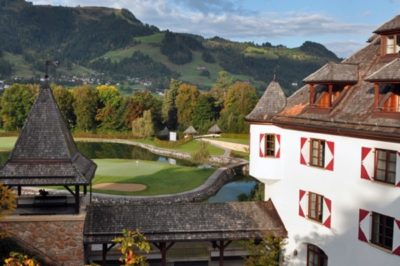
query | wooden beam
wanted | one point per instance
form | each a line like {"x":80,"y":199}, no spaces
{"x":85,"y":190}
{"x":376,"y":98}
{"x":70,"y":191}
{"x":104,"y":255}
{"x":312,"y":94}
{"x":77,"y":203}
{"x":330,"y":89}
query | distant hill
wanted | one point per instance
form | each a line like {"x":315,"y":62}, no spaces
{"x":96,"y":44}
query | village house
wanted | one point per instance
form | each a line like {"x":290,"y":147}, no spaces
{"x":329,"y":156}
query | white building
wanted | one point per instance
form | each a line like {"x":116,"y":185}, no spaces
{"x":330,"y":157}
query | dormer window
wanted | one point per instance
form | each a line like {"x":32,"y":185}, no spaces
{"x":387,"y":98}
{"x":390,"y":44}
{"x":330,"y":83}
{"x":387,"y":88}
{"x":327,"y":95}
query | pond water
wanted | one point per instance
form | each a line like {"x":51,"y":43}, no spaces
{"x":238,"y":189}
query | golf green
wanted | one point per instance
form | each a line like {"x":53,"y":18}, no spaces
{"x":158,"y":177}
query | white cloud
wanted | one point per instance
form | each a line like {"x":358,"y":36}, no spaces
{"x":345,"y":48}
{"x":227,"y":19}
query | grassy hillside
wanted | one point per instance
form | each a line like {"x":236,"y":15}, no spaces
{"x":104,"y":45}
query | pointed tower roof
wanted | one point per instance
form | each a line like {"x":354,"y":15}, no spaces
{"x":214,"y":129}
{"x":45,"y":152}
{"x":271,"y":103}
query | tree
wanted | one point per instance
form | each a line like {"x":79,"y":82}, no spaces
{"x":65,"y":101}
{"x":18,"y":259}
{"x":186,"y":100}
{"x":143,"y":127}
{"x":265,"y":253}
{"x":16,"y":104}
{"x":8,"y":201}
{"x":142,"y":101}
{"x":220,"y":87}
{"x":168,"y":111}
{"x":109,"y":103}
{"x":85,"y":107}
{"x":204,"y":113}
{"x":240,"y":99}
{"x":130,"y":241}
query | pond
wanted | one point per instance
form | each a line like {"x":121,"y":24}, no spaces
{"x":238,"y":189}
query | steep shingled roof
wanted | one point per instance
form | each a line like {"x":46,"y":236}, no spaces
{"x":390,"y":26}
{"x":271,"y":102}
{"x":45,"y":152}
{"x":387,"y":73}
{"x":214,"y":129}
{"x":190,"y":130}
{"x":333,"y":72}
{"x":184,"y":221}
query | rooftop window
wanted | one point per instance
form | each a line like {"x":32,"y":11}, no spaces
{"x":387,"y":98}
{"x":327,"y":95}
{"x":390,"y":44}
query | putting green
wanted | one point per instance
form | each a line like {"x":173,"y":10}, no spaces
{"x":158,"y":177}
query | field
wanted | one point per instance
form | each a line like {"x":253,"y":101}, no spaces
{"x":159,"y":178}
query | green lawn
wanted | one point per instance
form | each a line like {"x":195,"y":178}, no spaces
{"x":189,"y":147}
{"x":160,"y":178}
{"x":233,"y":140}
{"x":7,"y":143}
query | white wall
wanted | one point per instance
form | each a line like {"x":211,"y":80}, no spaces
{"x":347,"y":191}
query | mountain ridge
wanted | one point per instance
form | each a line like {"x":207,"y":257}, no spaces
{"x":100,"y":45}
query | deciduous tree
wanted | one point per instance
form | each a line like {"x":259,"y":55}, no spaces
{"x":85,"y":107}
{"x":186,"y":100}
{"x":65,"y":101}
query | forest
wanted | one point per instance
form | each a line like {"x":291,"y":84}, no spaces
{"x":104,"y":109}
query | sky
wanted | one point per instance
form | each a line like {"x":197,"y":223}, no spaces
{"x":343,"y":26}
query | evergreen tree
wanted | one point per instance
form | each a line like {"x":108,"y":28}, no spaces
{"x":204,"y":113}
{"x":168,"y":111}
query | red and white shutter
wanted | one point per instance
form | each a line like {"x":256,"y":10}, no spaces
{"x":367,"y":163}
{"x":327,"y":212}
{"x":303,"y":203}
{"x":304,"y":151}
{"x":262,"y":145}
{"x":364,"y":225}
{"x":396,"y":237}
{"x":398,"y":169}
{"x":277,"y":146}
{"x":329,"y":155}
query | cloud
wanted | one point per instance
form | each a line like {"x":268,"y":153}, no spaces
{"x":345,"y":48}
{"x":228,"y":19}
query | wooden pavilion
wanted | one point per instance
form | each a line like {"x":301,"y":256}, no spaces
{"x":45,"y":155}
{"x":166,"y":224}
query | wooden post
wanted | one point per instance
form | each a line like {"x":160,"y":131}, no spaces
{"x":104,"y":255}
{"x":77,"y":203}
{"x":312,"y":94}
{"x":90,"y":192}
{"x":85,"y":190}
{"x":19,"y":191}
{"x":376,"y":98}
{"x":86,"y":253}
{"x":330,"y":89}
{"x":163,"y":250}
{"x":221,"y":253}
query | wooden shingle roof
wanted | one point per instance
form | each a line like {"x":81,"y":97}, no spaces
{"x":190,"y":130}
{"x":214,"y":129}
{"x":271,"y":102}
{"x":392,"y":25}
{"x":184,"y":221}
{"x":388,"y":73}
{"x":45,"y":152}
{"x":333,"y":72}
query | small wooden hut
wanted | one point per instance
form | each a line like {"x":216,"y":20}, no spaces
{"x":190,"y":132}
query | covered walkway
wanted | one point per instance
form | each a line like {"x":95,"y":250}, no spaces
{"x":165,"y":224}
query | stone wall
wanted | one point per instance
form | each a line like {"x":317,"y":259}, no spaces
{"x":57,"y":239}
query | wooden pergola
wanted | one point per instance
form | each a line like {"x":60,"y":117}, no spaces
{"x":166,"y":224}
{"x":45,"y":155}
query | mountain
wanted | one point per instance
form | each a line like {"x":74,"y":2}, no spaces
{"x":105,"y":45}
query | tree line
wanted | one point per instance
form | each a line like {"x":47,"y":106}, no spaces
{"x":104,"y":109}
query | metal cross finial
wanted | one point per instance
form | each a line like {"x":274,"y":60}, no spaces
{"x":55,"y":63}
